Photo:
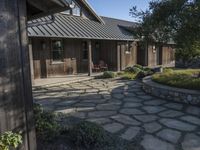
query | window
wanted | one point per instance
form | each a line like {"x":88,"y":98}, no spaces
{"x":75,"y":9}
{"x":85,"y":50}
{"x":57,"y":50}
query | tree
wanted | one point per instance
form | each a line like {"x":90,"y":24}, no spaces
{"x":166,"y":20}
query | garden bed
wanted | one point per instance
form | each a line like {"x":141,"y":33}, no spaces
{"x":186,"y":79}
{"x":171,"y":93}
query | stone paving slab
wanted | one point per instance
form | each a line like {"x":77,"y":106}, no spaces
{"x":122,"y":108}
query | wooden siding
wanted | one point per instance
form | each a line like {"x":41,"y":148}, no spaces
{"x":168,"y":55}
{"x":152,"y":56}
{"x":16,"y":103}
{"x":108,"y":54}
{"x":164,"y":55}
{"x":73,"y":54}
{"x":128,"y":58}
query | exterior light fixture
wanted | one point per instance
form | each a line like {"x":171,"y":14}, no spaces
{"x":154,"y":49}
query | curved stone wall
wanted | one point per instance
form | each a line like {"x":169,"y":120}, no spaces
{"x":171,"y":93}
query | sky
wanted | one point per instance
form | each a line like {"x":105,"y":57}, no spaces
{"x":117,"y":8}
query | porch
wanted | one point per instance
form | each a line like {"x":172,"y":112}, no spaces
{"x":53,"y":57}
{"x":59,"y":80}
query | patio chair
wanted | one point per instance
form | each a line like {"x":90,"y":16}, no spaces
{"x":95,"y":68}
{"x":103,"y":66}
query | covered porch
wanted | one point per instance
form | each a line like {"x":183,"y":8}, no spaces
{"x":59,"y":80}
{"x":53,"y":57}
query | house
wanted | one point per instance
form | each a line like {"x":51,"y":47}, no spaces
{"x":75,"y":40}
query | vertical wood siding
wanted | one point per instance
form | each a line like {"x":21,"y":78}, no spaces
{"x":16,"y":102}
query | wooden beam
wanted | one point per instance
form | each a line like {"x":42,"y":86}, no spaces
{"x":16,"y":103}
{"x":49,"y":12}
{"x":39,"y":4}
{"x":59,"y":2}
{"x":31,"y":60}
{"x":118,"y":57}
{"x":89,"y":58}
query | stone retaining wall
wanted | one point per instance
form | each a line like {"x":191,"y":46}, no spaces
{"x":171,"y":93}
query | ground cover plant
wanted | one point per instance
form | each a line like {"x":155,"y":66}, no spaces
{"x":187,"y":78}
{"x":136,"y":72}
{"x":60,"y":131}
{"x":10,"y":140}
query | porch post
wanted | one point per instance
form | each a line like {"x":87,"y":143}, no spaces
{"x":31,"y":60}
{"x":16,"y":104}
{"x":89,"y":58}
{"x":118,"y":57}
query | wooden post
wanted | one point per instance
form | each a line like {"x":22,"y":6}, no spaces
{"x":31,"y":60}
{"x":146,"y":54}
{"x":16,"y":102}
{"x":118,"y":57}
{"x":89,"y":58}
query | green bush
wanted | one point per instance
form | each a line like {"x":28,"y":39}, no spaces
{"x":129,"y":76}
{"x":138,"y":66}
{"x":10,"y":140}
{"x":187,"y":79}
{"x":88,"y":135}
{"x":47,"y":128}
{"x":168,"y":70}
{"x":132,"y":70}
{"x":108,"y":74}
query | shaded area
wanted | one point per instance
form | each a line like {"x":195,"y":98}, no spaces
{"x":124,"y":110}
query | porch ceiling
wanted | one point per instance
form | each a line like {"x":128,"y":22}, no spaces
{"x":40,"y":8}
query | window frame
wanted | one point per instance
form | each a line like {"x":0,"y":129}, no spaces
{"x":52,"y":49}
{"x":71,"y":10}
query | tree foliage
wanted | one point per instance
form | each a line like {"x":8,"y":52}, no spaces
{"x":167,"y":20}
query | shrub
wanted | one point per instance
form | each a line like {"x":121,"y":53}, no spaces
{"x":46,"y":126}
{"x":141,"y":74}
{"x":108,"y":74}
{"x":10,"y":140}
{"x":138,"y":66}
{"x":88,"y":135}
{"x":168,"y":70}
{"x":129,"y":76}
{"x":132,"y":70}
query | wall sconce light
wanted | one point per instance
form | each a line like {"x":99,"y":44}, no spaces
{"x":154,"y":49}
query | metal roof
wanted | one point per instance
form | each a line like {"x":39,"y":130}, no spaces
{"x":66,"y":26}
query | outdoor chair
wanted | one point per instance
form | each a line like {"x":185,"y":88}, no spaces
{"x":95,"y":68}
{"x":103,"y":66}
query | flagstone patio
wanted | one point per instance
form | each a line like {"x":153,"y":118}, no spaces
{"x":122,"y":108}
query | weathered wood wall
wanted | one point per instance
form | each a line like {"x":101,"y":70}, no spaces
{"x":168,"y":55}
{"x":15,"y":83}
{"x":128,"y":58}
{"x":108,"y":54}
{"x":152,"y":56}
{"x":73,"y":54}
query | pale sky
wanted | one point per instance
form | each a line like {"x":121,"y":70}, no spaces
{"x":117,"y":8}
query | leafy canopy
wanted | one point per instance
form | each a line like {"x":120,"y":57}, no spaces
{"x":165,"y":20}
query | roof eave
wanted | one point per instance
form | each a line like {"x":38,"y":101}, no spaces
{"x":93,"y":12}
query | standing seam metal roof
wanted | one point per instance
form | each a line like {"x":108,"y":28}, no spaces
{"x":66,"y":26}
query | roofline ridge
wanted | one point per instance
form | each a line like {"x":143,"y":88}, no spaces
{"x":119,"y":19}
